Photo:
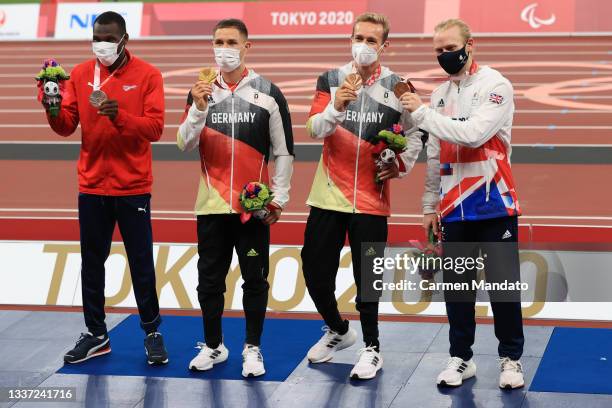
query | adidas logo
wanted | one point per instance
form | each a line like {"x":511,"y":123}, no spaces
{"x":252,"y":252}
{"x":370,"y":252}
{"x":334,"y":342}
{"x":441,"y":103}
{"x":507,"y":235}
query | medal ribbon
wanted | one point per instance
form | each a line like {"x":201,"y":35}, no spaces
{"x":374,"y":76}
{"x":96,"y":79}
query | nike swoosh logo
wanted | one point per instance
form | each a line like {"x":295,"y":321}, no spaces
{"x":129,"y":87}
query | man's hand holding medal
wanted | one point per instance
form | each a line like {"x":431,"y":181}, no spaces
{"x":406,"y":93}
{"x":202,"y":89}
{"x":106,"y":107}
{"x":347,"y":92}
{"x":98,"y":98}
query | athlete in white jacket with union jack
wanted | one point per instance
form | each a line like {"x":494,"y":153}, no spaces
{"x":469,"y":184}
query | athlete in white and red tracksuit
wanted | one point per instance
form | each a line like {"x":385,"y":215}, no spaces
{"x":345,"y":199}
{"x":236,"y":123}
{"x":469,"y":181}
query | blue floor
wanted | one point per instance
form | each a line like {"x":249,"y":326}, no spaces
{"x":289,"y":339}
{"x":32,"y":344}
{"x":576,"y":360}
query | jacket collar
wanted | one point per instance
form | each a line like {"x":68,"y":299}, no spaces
{"x":250,"y":75}
{"x":468,"y":78}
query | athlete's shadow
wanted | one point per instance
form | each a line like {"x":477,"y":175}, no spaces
{"x":96,"y":392}
{"x":336,"y":372}
{"x":155,"y":394}
{"x":215,"y":392}
{"x":257,"y":396}
{"x":218,"y":392}
{"x":343,"y":391}
{"x":463,"y":396}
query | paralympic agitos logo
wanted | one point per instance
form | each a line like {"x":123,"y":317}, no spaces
{"x":528,"y":16}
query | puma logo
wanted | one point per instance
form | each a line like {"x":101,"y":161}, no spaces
{"x":144,"y":210}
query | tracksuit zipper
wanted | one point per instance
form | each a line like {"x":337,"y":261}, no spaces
{"x":459,"y":165}
{"x":358,"y":149}
{"x":329,"y":158}
{"x":263,"y":159}
{"x":232,"y":161}
{"x":206,"y":171}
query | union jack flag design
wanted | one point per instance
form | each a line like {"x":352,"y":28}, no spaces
{"x":496,"y":98}
{"x":484,"y":188}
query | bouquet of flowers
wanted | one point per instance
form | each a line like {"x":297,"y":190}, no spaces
{"x":255,"y":198}
{"x":429,"y":253}
{"x":51,"y":85}
{"x":389,"y":143}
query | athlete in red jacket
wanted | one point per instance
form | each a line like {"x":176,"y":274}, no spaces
{"x":118,"y":100}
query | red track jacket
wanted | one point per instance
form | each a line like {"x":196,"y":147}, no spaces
{"x":115,"y":156}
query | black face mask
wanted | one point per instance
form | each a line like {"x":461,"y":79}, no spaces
{"x":453,"y":61}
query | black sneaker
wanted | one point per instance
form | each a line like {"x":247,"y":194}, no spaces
{"x":87,"y":346}
{"x":155,"y":350}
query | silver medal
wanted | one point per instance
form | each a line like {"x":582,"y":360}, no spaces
{"x":97,"y":98}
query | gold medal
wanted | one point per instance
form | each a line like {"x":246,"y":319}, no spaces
{"x":97,"y":98}
{"x":207,"y":75}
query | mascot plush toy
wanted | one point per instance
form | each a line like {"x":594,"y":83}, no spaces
{"x":51,"y":80}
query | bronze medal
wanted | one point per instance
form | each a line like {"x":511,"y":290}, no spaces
{"x":401,"y":88}
{"x":354,"y":80}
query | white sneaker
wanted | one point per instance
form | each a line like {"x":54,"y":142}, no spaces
{"x":208,"y":357}
{"x":456,"y":371}
{"x":370,"y":361}
{"x":252,"y":362}
{"x":511,"y":376}
{"x":324,"y":349}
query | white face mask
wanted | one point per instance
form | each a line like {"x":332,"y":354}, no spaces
{"x":364,"y":55}
{"x":228,"y":59}
{"x":106,"y":52}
